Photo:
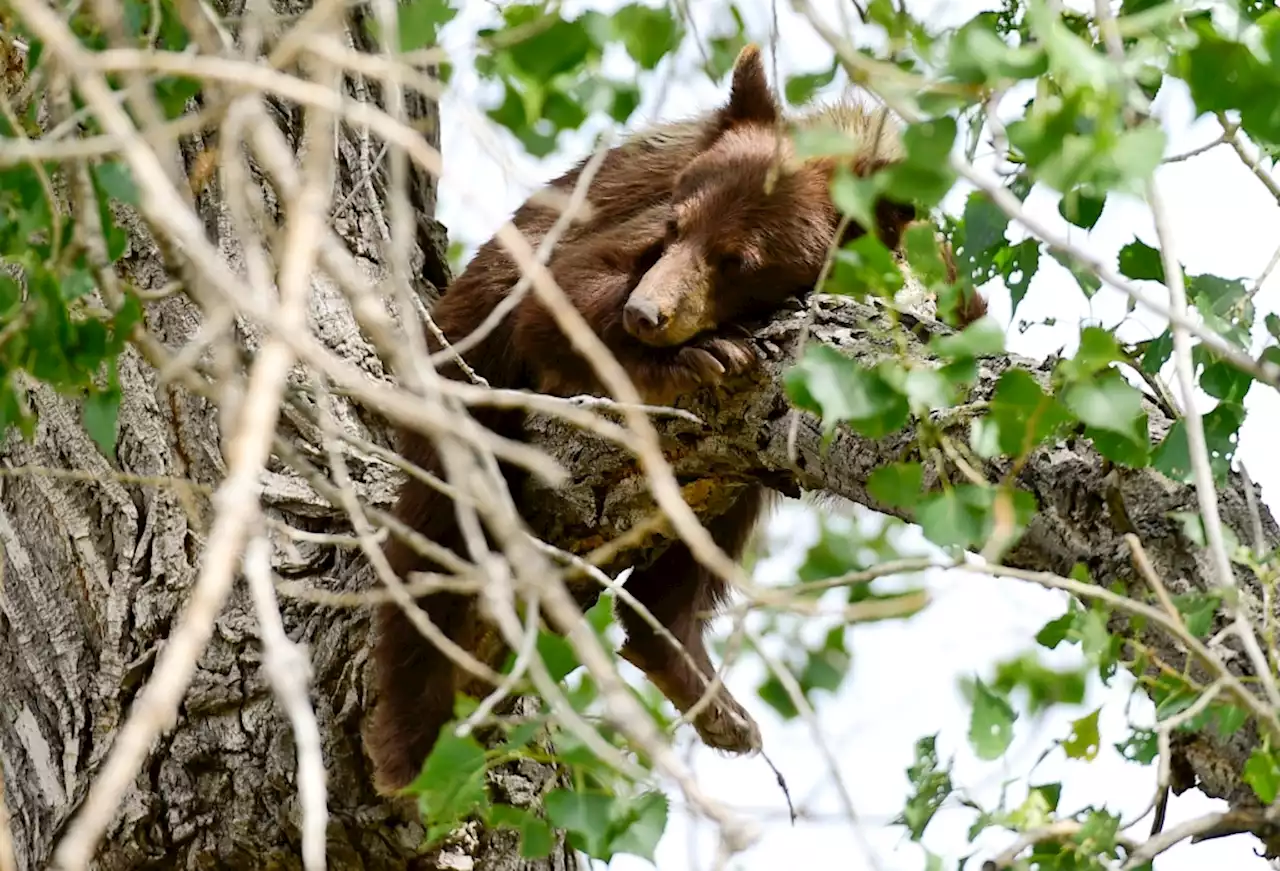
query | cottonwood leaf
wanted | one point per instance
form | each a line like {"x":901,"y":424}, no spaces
{"x":1084,"y":739}
{"x":991,"y":724}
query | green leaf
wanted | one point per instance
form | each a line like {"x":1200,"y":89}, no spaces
{"x":864,"y":266}
{"x":451,"y":784}
{"x":101,"y":410}
{"x":649,"y":33}
{"x":931,"y":785}
{"x":925,"y":174}
{"x":1084,"y":739}
{"x":957,"y":516}
{"x":827,"y":667}
{"x":1250,"y":87}
{"x":1099,"y":833}
{"x":1172,"y":458}
{"x":1141,"y":262}
{"x":10,"y":295}
{"x":1085,"y":277}
{"x":1056,"y":630}
{"x":558,"y":654}
{"x":1142,"y":746}
{"x":117,"y":182}
{"x":1018,"y":265}
{"x":920,"y":244}
{"x":1138,"y":152}
{"x":603,"y":826}
{"x":1157,"y":353}
{"x":1098,"y":350}
{"x":801,"y":88}
{"x":853,"y":195}
{"x":77,"y":283}
{"x":725,"y":46}
{"x":552,"y":50}
{"x":1230,"y":719}
{"x":840,"y":389}
{"x":982,"y":338}
{"x":1107,"y":402}
{"x":1262,"y":773}
{"x":585,"y":816}
{"x":642,"y":826}
{"x":897,"y":484}
{"x":1025,"y":415}
{"x":775,"y":695}
{"x":984,"y":225}
{"x":536,"y":838}
{"x":1198,"y":611}
{"x":977,"y":55}
{"x":1044,"y":686}
{"x":991,"y":725}
{"x":1081,"y":208}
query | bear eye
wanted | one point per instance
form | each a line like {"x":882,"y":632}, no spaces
{"x":673,"y":230}
{"x":730,"y":263}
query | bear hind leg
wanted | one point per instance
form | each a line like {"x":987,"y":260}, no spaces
{"x":683,"y":596}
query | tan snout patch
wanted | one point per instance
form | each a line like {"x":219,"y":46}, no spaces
{"x":679,"y":287}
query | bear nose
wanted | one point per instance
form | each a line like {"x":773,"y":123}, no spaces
{"x":640,"y":316}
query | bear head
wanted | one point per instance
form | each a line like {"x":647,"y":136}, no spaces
{"x":750,"y":223}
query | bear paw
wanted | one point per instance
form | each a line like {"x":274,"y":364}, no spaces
{"x":725,"y":725}
{"x":703,"y":363}
{"x":711,"y":360}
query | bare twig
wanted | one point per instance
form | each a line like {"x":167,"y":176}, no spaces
{"x":289,"y":672}
{"x":1206,"y":492}
{"x":1143,"y":563}
{"x":8,"y":861}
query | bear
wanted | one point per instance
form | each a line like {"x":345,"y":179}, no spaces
{"x":695,"y":227}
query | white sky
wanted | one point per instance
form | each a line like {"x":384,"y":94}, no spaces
{"x":906,"y":673}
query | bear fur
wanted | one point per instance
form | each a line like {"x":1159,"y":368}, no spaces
{"x":693,"y":227}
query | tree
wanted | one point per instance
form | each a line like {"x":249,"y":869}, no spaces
{"x":213,"y":220}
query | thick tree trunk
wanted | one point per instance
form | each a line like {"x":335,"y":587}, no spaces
{"x":100,"y":554}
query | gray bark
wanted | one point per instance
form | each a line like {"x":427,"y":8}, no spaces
{"x":97,"y":567}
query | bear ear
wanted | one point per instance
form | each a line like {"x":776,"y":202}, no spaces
{"x":750,"y":99}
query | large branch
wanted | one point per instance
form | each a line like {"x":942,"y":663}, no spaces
{"x":1086,"y":505}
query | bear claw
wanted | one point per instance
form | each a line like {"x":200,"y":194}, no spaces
{"x":725,"y":725}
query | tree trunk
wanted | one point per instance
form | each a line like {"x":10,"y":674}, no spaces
{"x":100,"y":553}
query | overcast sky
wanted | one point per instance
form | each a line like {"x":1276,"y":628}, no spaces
{"x":906,"y":673}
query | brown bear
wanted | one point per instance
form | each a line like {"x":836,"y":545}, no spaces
{"x":694,"y":226}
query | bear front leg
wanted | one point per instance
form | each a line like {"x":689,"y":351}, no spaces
{"x":662,"y":376}
{"x":683,"y":596}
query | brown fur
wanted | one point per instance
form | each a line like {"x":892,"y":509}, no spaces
{"x":682,"y":242}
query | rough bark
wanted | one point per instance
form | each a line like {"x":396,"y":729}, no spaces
{"x":97,"y":567}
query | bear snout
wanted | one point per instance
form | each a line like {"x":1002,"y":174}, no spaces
{"x":643,"y":318}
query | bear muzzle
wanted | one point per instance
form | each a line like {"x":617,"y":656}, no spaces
{"x":644,"y":319}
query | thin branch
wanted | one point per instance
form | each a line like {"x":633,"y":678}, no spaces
{"x":8,"y":860}
{"x":1143,"y":564}
{"x":289,"y":672}
{"x":1206,"y":492}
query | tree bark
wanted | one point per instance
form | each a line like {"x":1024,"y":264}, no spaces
{"x":100,"y":553}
